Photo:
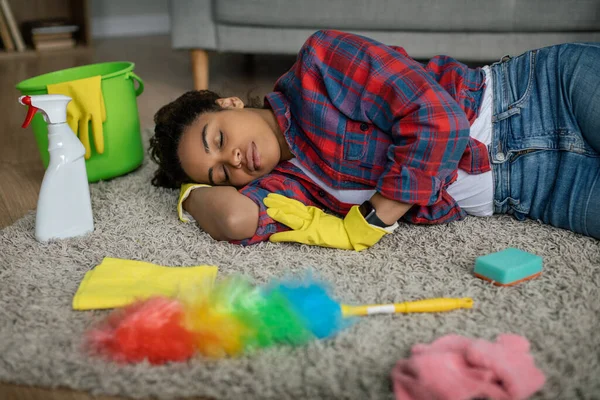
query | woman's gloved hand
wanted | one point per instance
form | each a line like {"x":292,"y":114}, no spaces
{"x":87,"y":106}
{"x":312,"y":226}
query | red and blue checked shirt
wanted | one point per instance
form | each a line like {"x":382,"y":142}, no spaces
{"x":359,"y":114}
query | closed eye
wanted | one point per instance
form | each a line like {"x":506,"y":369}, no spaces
{"x":225,"y":174}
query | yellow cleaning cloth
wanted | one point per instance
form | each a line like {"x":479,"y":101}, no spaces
{"x":87,"y":106}
{"x":118,"y":282}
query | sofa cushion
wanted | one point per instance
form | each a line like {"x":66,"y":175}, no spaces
{"x":411,"y":15}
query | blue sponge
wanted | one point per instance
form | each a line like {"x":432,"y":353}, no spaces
{"x":508,"y":267}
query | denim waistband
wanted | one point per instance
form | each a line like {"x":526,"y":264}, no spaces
{"x":497,"y":150}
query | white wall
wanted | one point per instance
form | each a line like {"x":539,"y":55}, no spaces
{"x":129,"y":17}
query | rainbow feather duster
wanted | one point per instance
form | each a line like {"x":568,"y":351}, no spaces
{"x":232,"y":317}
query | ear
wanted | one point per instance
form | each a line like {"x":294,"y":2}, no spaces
{"x":230,"y":102}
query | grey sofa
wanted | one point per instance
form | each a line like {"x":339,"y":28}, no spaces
{"x":469,"y":30}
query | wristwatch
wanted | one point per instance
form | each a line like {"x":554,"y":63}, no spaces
{"x":368,"y":212}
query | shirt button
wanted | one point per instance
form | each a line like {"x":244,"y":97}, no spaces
{"x":364,"y":127}
{"x":500,"y":156}
{"x":321,"y":193}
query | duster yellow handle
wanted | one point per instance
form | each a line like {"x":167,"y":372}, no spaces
{"x":420,"y":306}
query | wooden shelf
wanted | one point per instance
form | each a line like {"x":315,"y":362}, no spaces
{"x":77,"y":11}
{"x":31,"y":53}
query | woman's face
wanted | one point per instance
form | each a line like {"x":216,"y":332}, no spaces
{"x":231,"y":147}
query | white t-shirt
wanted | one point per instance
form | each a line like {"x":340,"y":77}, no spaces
{"x":473,"y":193}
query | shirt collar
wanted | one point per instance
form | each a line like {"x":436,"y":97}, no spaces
{"x":281,"y":108}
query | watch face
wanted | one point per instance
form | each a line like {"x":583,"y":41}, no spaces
{"x":366,"y":208}
{"x":370,"y":214}
{"x":373,"y":220}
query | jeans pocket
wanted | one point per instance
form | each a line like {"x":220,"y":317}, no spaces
{"x":522,"y":75}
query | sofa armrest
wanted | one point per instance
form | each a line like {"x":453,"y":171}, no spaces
{"x":192,"y":25}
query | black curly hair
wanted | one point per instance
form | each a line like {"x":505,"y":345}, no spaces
{"x":170,"y":123}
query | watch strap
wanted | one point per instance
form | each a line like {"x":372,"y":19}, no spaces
{"x":369,"y":213}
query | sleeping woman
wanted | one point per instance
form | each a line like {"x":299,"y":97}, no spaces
{"x":357,"y":136}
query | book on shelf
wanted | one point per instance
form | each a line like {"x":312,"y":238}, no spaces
{"x":67,"y":43}
{"x":37,"y":37}
{"x":51,"y":41}
{"x":11,"y":23}
{"x":47,"y":30}
{"x":7,"y":41}
{"x":47,"y":34}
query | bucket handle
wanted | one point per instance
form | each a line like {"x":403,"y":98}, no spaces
{"x":139,"y":80}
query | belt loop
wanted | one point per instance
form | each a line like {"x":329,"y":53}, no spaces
{"x":504,"y":59}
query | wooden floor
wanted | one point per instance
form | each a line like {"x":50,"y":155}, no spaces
{"x":166,"y":74}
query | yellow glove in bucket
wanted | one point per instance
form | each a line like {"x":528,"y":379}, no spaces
{"x":87,"y":106}
{"x":118,"y":282}
{"x":311,"y":225}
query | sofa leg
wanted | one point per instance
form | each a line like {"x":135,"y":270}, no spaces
{"x":249,"y":64}
{"x":200,"y":68}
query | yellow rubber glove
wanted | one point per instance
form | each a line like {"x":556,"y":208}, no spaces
{"x":310,"y":225}
{"x":184,"y":192}
{"x":87,"y":106}
{"x":117,"y":282}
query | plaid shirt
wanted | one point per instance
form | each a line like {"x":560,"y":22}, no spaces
{"x":362,"y":115}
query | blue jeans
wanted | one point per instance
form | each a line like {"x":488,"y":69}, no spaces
{"x":545,"y":149}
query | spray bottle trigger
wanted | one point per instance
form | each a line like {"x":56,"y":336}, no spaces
{"x":30,"y":111}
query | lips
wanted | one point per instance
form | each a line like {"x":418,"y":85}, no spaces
{"x":255,"y":156}
{"x":252,"y":157}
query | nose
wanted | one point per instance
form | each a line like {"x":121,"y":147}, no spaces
{"x":236,"y":158}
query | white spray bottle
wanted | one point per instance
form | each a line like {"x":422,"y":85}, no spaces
{"x":64,"y":208}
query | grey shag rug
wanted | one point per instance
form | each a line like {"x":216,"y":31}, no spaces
{"x":41,"y":336}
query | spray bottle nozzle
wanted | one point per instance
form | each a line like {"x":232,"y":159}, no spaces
{"x":26,"y":100}
{"x":52,"y":106}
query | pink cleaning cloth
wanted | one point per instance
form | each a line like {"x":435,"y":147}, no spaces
{"x":458,"y":368}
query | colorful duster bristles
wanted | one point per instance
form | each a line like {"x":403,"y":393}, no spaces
{"x":227,"y":319}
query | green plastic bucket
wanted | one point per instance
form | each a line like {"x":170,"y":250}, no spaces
{"x":123,"y":149}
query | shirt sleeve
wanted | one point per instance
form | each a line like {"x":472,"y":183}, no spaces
{"x":368,"y":81}
{"x":272,"y":183}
